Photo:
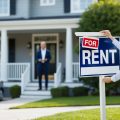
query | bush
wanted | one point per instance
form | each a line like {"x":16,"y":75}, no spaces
{"x":102,"y":15}
{"x":60,"y":92}
{"x":80,"y":91}
{"x":1,"y":95}
{"x":95,"y":92}
{"x":15,"y":91}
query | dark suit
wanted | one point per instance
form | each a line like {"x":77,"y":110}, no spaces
{"x":43,"y":68}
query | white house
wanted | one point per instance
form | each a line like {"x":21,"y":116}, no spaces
{"x":23,"y":24}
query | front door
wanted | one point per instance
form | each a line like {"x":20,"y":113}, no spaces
{"x":52,"y":67}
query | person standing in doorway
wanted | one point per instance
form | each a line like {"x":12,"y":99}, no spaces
{"x":115,"y":77}
{"x":43,"y":59}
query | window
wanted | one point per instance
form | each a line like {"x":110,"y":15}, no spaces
{"x":4,"y":7}
{"x":47,"y":2}
{"x":78,"y":6}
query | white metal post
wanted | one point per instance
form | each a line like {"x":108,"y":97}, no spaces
{"x":102,"y":98}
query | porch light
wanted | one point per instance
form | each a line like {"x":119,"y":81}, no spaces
{"x":61,"y":43}
{"x":29,"y":45}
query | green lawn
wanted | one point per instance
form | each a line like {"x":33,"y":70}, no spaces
{"x":70,"y":101}
{"x":112,"y":114}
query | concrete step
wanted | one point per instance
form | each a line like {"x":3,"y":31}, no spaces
{"x":37,"y":93}
{"x":36,"y":84}
{"x":35,"y":96}
{"x":31,"y":90}
{"x":35,"y":88}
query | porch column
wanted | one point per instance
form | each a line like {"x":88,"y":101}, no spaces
{"x":4,"y":54}
{"x":69,"y":57}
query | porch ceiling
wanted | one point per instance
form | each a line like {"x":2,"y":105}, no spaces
{"x":37,"y":31}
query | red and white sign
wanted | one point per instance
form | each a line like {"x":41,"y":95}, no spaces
{"x":92,"y":43}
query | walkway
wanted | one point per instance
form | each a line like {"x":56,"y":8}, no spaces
{"x":28,"y":114}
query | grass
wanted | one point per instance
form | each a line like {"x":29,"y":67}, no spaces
{"x":94,"y":114}
{"x":70,"y":101}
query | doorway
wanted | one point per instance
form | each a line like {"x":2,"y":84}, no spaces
{"x":52,"y":45}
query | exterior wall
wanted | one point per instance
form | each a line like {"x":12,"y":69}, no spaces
{"x":32,"y":8}
{"x":56,"y":10}
{"x":22,"y":10}
{"x":23,"y":54}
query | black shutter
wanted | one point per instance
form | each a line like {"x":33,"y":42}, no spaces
{"x":11,"y":50}
{"x":66,"y":6}
{"x":12,"y":7}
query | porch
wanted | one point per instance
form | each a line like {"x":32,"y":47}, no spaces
{"x":22,"y":69}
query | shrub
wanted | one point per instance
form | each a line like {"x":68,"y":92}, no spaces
{"x":60,"y":92}
{"x":102,"y":15}
{"x":80,"y":91}
{"x":95,"y":92}
{"x":15,"y":91}
{"x":1,"y":95}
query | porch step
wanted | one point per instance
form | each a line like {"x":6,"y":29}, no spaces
{"x":36,"y":96}
{"x":31,"y":90}
{"x":36,"y":84}
{"x":35,"y":88}
{"x":38,"y":93}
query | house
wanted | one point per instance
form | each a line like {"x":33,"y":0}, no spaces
{"x":23,"y":24}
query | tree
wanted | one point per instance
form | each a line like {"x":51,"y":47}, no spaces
{"x":102,"y":15}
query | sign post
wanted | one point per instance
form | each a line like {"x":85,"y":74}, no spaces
{"x":102,"y":98}
{"x":98,"y":57}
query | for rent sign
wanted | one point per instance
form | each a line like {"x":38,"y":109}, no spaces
{"x":98,"y":56}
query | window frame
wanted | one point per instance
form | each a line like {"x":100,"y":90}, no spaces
{"x":80,"y":10}
{"x":8,"y":11}
{"x":47,"y":3}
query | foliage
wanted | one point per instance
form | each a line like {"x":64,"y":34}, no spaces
{"x":15,"y":91}
{"x":80,"y":91}
{"x":60,"y":92}
{"x":102,"y":15}
{"x":111,"y":88}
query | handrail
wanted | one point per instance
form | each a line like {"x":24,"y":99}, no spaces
{"x":58,"y":76}
{"x":25,"y":79}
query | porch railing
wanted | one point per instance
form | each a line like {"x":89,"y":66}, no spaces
{"x":58,"y":76}
{"x":15,"y":70}
{"x":75,"y":70}
{"x":19,"y":71}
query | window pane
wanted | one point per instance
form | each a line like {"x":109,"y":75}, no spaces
{"x":44,"y":1}
{"x":80,"y":5}
{"x":76,"y":5}
{"x":51,"y":1}
{"x":4,"y":7}
{"x":47,"y":2}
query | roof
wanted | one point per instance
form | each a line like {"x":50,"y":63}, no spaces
{"x":41,"y":18}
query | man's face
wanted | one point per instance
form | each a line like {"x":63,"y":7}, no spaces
{"x":43,"y":45}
